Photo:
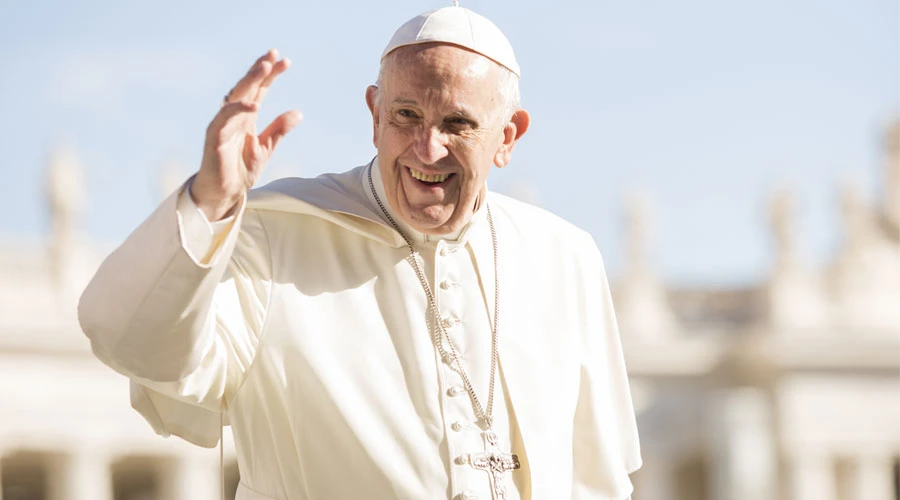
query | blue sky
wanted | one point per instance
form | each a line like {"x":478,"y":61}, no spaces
{"x":704,"y":106}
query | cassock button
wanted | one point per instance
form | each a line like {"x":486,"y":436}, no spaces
{"x":462,"y":459}
{"x":448,"y":250}
{"x":448,"y":284}
{"x":450,"y":321}
{"x":456,"y":390}
{"x":458,"y":425}
{"x":467,"y":495}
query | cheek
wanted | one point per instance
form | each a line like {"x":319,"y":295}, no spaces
{"x":394,"y":140}
{"x":479,"y":161}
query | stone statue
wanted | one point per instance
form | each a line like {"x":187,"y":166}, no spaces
{"x":65,"y":190}
{"x":637,"y":229}
{"x":782,"y":217}
{"x":66,"y":194}
{"x":857,"y":220}
{"x":892,"y":178}
{"x":642,"y":302}
{"x":796,"y":294}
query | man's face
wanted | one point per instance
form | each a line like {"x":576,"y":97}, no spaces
{"x":439,"y":125}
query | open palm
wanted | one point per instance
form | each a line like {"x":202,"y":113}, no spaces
{"x":234,"y":155}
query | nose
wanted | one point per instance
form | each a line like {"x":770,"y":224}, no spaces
{"x":430,"y":145}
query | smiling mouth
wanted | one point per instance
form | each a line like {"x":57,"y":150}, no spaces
{"x":430,"y":180}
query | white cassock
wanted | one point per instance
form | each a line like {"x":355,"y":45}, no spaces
{"x":305,"y":321}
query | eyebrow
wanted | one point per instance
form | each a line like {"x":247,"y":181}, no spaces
{"x":400,"y":100}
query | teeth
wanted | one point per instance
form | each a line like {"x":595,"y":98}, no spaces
{"x":428,"y":178}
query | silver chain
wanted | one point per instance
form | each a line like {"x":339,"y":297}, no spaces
{"x":440,"y":333}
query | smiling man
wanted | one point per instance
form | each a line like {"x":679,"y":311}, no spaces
{"x":443,"y":116}
{"x":396,"y":331}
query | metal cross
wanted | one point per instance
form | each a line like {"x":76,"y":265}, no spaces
{"x":495,"y":463}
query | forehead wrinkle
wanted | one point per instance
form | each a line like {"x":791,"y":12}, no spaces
{"x":440,"y":61}
{"x":441,"y":75}
{"x":401,"y":100}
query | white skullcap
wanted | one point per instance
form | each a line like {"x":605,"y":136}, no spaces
{"x":459,"y":26}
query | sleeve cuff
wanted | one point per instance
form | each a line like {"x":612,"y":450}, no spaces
{"x":201,"y":238}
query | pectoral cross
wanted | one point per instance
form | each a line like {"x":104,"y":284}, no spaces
{"x":495,"y":463}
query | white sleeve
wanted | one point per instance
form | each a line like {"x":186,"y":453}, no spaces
{"x":605,"y":441}
{"x":178,"y":308}
{"x":201,"y":237}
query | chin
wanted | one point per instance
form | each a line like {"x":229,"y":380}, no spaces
{"x":439,"y":230}
{"x":427,"y":223}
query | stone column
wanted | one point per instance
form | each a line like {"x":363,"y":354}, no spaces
{"x":871,"y":478}
{"x":813,"y":478}
{"x":80,"y":475}
{"x":655,"y":480}
{"x":744,"y":464}
{"x":190,"y":478}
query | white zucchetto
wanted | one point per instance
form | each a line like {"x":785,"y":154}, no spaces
{"x":458,"y":26}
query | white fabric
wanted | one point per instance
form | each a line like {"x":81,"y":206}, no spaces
{"x":454,"y":276}
{"x":459,"y":26}
{"x":306,"y":322}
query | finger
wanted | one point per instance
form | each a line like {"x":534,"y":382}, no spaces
{"x":276,"y":130}
{"x":256,"y":74}
{"x":277,"y":69}
{"x":271,"y":55}
{"x":247,"y":87}
{"x":227,"y":114}
{"x":254,"y":156}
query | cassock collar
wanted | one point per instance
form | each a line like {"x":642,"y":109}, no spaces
{"x":461,"y":236}
{"x":476,"y":234}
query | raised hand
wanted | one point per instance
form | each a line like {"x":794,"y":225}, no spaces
{"x":234,"y":155}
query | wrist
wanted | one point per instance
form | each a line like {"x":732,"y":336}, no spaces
{"x":215,"y":208}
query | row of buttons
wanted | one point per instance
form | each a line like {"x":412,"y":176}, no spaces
{"x":460,"y":425}
{"x":450,"y":321}
{"x":457,"y":390}
{"x":465,"y":495}
{"x":454,"y":391}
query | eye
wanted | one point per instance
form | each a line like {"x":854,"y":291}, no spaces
{"x":407,"y":114}
{"x":458,"y":122}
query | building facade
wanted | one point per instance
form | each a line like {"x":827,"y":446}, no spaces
{"x":787,"y":390}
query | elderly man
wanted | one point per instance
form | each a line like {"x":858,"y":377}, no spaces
{"x":394,"y":331}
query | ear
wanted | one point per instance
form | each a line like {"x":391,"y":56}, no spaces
{"x":512,"y":131}
{"x":371,"y":95}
